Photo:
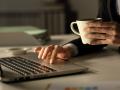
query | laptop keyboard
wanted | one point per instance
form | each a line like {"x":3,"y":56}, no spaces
{"x":24,"y":66}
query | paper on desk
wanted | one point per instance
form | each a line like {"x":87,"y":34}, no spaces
{"x":90,"y":86}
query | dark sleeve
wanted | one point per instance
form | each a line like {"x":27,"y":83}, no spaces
{"x":86,"y":48}
{"x":103,"y":11}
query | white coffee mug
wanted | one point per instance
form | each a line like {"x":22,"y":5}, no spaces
{"x":81,"y":29}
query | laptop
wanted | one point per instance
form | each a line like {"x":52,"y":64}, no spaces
{"x":29,"y":67}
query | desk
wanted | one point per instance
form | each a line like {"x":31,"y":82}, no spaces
{"x":105,"y":67}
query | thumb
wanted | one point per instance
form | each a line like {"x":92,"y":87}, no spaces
{"x":63,"y":55}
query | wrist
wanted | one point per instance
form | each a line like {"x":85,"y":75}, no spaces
{"x":68,"y":51}
{"x":71,"y":49}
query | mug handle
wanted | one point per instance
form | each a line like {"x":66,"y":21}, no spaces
{"x":72,"y":28}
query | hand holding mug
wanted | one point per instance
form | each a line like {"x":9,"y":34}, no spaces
{"x":103,"y":33}
{"x":96,"y":32}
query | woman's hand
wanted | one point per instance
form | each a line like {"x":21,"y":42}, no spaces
{"x":103,"y":33}
{"x":53,"y":53}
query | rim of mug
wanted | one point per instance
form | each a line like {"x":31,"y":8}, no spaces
{"x":91,"y":19}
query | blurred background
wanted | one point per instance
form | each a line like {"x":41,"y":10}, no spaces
{"x":54,"y":16}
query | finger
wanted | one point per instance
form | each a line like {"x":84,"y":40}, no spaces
{"x":101,"y":24}
{"x":106,"y":30}
{"x":41,"y":53}
{"x":54,"y":54}
{"x":37,"y":49}
{"x":98,"y":36}
{"x":63,"y":54}
{"x":112,"y":41}
{"x":115,"y":40}
{"x":98,"y":42}
{"x":47,"y":50}
{"x":48,"y":57}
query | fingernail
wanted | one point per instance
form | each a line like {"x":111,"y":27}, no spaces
{"x":42,"y":57}
{"x":51,"y":61}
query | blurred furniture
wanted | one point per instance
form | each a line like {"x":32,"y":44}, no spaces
{"x":27,"y":29}
{"x":43,"y":14}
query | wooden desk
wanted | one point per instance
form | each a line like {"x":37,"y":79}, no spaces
{"x":105,"y":67}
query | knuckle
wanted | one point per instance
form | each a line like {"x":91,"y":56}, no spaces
{"x":100,"y":42}
{"x":99,"y":24}
{"x":101,"y":30}
{"x":91,"y":24}
{"x":36,"y":49}
{"x":97,"y":30}
{"x":43,"y":48}
{"x":51,"y":47}
{"x":104,"y":36}
{"x":101,"y":36}
{"x":89,"y":29}
{"x":114,"y":32}
{"x":89,"y":35}
{"x":48,"y":47}
{"x":56,"y":45}
{"x":113,"y":40}
{"x":114,"y":26}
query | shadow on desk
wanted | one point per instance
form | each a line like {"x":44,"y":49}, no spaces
{"x":95,"y":55}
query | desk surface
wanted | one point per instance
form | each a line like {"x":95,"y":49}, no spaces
{"x":104,"y":65}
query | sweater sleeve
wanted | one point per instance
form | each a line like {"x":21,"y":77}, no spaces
{"x":86,"y":48}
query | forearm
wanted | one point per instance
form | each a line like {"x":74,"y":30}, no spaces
{"x":86,"y":49}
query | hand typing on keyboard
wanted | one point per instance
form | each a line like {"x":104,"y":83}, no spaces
{"x":53,"y":53}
